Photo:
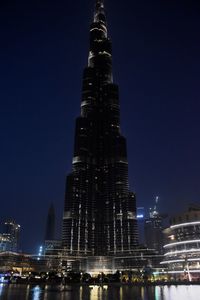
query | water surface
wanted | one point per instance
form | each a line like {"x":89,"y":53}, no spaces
{"x":28,"y":292}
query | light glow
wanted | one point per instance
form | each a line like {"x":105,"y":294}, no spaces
{"x":140,"y":216}
{"x":185,"y":224}
{"x":171,"y":261}
{"x":182,"y":242}
{"x":193,"y":259}
{"x":183,"y":271}
{"x":181,"y":251}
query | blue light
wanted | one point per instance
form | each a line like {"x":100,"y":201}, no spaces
{"x":140,"y":216}
{"x":40,"y":252}
{"x":2,"y":279}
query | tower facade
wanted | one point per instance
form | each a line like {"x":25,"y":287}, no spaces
{"x":100,"y":211}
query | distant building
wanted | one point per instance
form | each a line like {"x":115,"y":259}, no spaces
{"x":9,"y":239}
{"x":4,"y":242}
{"x":153,"y":230}
{"x":15,"y":262}
{"x":50,"y":250}
{"x":140,"y":223}
{"x":153,"y":233}
{"x":21,"y":263}
{"x":50,"y":224}
{"x":52,"y":253}
{"x":182,"y":247}
{"x":52,"y":246}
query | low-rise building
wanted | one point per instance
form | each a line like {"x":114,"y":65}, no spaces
{"x":182,"y":246}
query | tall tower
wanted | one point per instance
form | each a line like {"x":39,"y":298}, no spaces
{"x":99,"y":212}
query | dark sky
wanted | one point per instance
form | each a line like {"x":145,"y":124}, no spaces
{"x":156,"y":62}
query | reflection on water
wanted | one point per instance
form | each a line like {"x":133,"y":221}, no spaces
{"x":181,"y":292}
{"x":1,"y":288}
{"x":37,"y":291}
{"x":27,"y":292}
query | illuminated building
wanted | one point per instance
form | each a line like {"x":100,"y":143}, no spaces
{"x":153,"y":230}
{"x":100,"y":211}
{"x":15,"y":262}
{"x":4,"y":243}
{"x":182,"y":248}
{"x":9,"y":239}
{"x":12,"y":262}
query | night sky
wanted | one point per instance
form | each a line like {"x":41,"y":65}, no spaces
{"x":156,"y":62}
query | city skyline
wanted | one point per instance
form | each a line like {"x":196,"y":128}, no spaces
{"x":156,"y":63}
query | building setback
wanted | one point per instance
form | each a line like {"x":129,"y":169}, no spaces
{"x":100,"y":211}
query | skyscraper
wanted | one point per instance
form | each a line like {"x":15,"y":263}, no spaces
{"x":51,"y":244}
{"x":100,"y":211}
{"x":153,"y":229}
{"x":9,"y":240}
{"x":50,"y":224}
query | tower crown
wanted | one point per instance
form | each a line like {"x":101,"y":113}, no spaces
{"x":99,"y":13}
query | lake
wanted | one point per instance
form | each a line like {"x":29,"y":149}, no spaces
{"x":28,"y":292}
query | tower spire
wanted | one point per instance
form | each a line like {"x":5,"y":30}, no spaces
{"x":99,"y":13}
{"x":99,"y":4}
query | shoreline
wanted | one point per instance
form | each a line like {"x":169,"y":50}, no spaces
{"x":110,"y":284}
